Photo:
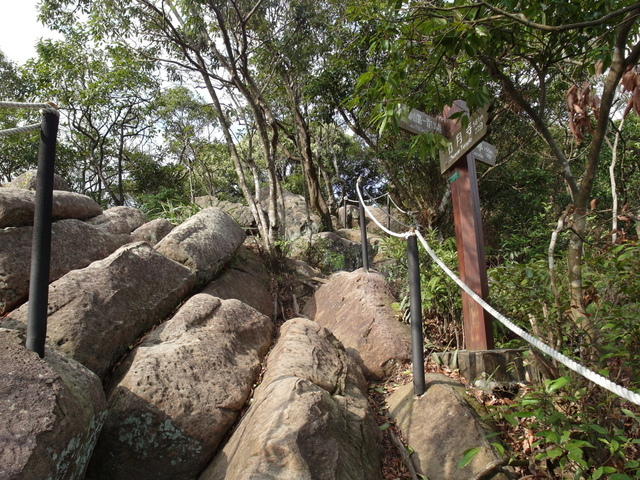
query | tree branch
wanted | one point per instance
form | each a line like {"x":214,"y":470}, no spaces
{"x":538,"y":121}
{"x":618,"y":66}
{"x":520,"y":18}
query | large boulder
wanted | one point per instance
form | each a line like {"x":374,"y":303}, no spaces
{"x":152,"y":232}
{"x":95,"y":314}
{"x":179,"y":392}
{"x":299,"y":220}
{"x":51,"y":412}
{"x":74,"y":244}
{"x":242,"y":286}
{"x":246,"y":279}
{"x":17,"y":206}
{"x":239,"y":212}
{"x":204,"y":243}
{"x":352,"y":217}
{"x":356,"y":308}
{"x":28,"y":181}
{"x":441,"y":426}
{"x":248,"y":261}
{"x":309,"y":418}
{"x":121,"y":219}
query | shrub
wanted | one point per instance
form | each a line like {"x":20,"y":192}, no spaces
{"x":570,"y":430}
{"x":441,"y":300}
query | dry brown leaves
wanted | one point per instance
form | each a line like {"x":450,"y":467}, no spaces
{"x":631,"y":83}
{"x":393,"y":466}
{"x":581,"y":101}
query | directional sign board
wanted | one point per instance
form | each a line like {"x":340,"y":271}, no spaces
{"x":465,"y":140}
{"x":485,"y":153}
{"x":418,"y":122}
{"x":465,"y":200}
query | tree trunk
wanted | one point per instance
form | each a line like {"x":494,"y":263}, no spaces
{"x":581,"y":189}
{"x":316,"y":199}
{"x":120,"y":196}
{"x":254,"y":205}
{"x":583,"y":194}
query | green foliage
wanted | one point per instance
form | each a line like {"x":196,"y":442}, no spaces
{"x":18,"y":152}
{"x":566,"y":424}
{"x":440,"y":295}
{"x":521,"y":292}
{"x":294,"y":183}
{"x":428,"y":54}
{"x":612,"y":285}
{"x":322,"y":254}
{"x":166,"y":204}
{"x":467,"y":456}
{"x":149,"y":176}
{"x":573,"y":432}
{"x":105,"y":93}
{"x":178,"y":213}
{"x":188,"y":126}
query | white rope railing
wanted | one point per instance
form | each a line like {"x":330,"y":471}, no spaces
{"x":26,"y":128}
{"x":360,"y":199}
{"x":566,"y":361}
{"x":397,"y":207}
{"x":373,"y":199}
{"x":375,"y":220}
{"x":48,"y":107}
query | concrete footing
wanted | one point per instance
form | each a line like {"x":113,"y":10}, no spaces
{"x":485,"y":368}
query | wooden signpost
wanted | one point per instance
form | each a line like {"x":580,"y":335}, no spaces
{"x":459,"y":161}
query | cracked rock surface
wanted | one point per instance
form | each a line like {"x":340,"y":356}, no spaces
{"x":309,"y":418}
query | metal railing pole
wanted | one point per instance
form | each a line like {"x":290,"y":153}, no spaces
{"x":41,"y":247}
{"x":415,"y":308}
{"x":363,"y":239}
{"x":388,"y":212}
{"x":345,"y":213}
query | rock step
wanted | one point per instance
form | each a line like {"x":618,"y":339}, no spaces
{"x":309,"y":418}
{"x":440,"y":426}
{"x":178,"y":393}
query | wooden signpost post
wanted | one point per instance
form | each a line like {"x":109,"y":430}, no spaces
{"x":458,"y":162}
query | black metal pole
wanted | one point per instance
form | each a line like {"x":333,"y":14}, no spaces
{"x":388,"y":212}
{"x":415,"y":308}
{"x":345,"y":212}
{"x":363,"y":239}
{"x":41,"y":247}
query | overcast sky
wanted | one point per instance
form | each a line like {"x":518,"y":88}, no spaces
{"x":20,"y":29}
